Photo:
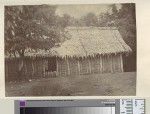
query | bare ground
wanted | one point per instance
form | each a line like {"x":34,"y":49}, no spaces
{"x":116,"y":84}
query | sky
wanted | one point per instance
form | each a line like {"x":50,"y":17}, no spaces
{"x":81,"y":10}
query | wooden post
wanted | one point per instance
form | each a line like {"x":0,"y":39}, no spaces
{"x":121,"y":60}
{"x":25,"y":67}
{"x":60,"y":67}
{"x":111,"y":63}
{"x":90,"y":69}
{"x":100,"y":58}
{"x":99,"y":64}
{"x":107,"y":63}
{"x":43,"y":67}
{"x":65,"y":65}
{"x":32,"y":67}
{"x":87,"y":69}
{"x":68,"y":67}
{"x":79,"y":66}
{"x":57,"y":65}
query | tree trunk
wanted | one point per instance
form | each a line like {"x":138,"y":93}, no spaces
{"x":21,"y":65}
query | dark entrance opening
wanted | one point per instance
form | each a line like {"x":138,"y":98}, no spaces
{"x":52,"y":64}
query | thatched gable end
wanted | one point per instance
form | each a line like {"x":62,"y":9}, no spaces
{"x":89,"y":41}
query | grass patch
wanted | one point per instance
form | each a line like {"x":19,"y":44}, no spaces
{"x":116,"y":84}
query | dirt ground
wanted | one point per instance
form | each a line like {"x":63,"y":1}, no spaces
{"x":117,"y":84}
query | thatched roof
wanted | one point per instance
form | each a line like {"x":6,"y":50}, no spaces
{"x":89,"y":41}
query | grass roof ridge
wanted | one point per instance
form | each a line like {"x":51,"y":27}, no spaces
{"x":90,"y":27}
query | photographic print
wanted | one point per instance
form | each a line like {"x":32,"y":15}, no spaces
{"x":70,"y":50}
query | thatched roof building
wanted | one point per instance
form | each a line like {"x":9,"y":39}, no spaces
{"x":90,"y":41}
{"x":88,"y":50}
{"x":91,"y":50}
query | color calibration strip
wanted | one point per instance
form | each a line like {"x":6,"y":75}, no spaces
{"x":132,"y":106}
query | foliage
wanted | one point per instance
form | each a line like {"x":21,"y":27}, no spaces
{"x":90,"y":19}
{"x":38,"y":27}
{"x":126,"y":22}
{"x":31,"y":27}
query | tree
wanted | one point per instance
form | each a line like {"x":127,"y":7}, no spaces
{"x":125,"y":20}
{"x":104,"y":19}
{"x":90,"y":19}
{"x":64,"y":21}
{"x":26,"y":27}
{"x":114,"y":10}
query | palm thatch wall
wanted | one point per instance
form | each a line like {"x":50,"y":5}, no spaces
{"x":90,"y":65}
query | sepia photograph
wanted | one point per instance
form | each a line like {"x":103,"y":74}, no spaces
{"x":70,"y":50}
